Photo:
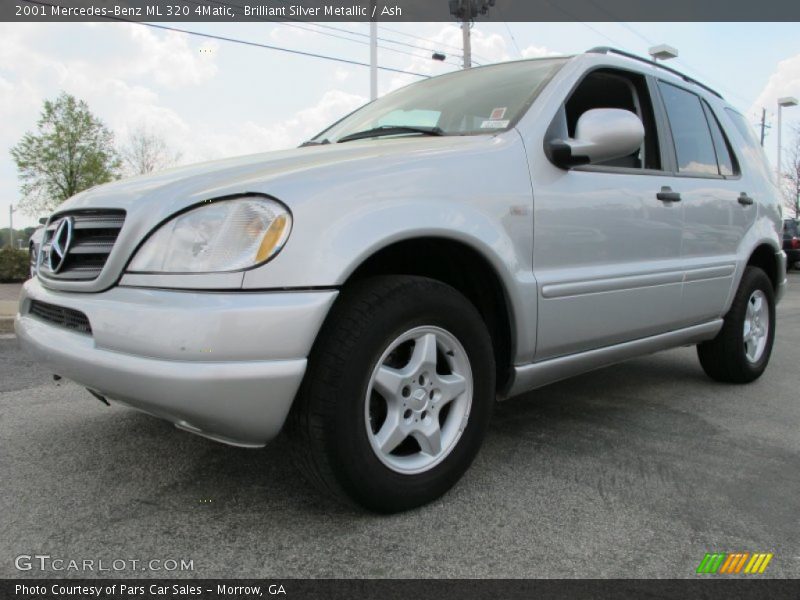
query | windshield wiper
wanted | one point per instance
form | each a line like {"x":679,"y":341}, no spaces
{"x":390,"y":130}
{"x":324,"y":142}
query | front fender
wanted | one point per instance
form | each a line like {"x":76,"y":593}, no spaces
{"x":499,"y":229}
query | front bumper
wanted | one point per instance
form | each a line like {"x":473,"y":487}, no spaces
{"x":223,"y":365}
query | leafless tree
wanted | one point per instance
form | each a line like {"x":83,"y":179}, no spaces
{"x":145,"y":152}
{"x":791,"y":177}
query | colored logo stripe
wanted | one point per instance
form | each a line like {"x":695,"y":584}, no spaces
{"x":733,"y":562}
{"x":710,"y":563}
{"x":758,"y":564}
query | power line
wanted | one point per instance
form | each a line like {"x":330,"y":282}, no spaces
{"x":389,"y":40}
{"x":436,"y":44}
{"x":510,"y":33}
{"x":364,"y":43}
{"x":513,"y":39}
{"x":305,"y":27}
{"x":245,"y":42}
{"x":295,"y":23}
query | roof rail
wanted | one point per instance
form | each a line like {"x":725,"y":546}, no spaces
{"x":609,"y":50}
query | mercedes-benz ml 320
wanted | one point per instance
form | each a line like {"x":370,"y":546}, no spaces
{"x":467,"y":238}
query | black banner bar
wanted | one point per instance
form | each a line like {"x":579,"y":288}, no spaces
{"x":400,"y":10}
{"x":392,"y":589}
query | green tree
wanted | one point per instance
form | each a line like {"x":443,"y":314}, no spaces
{"x":72,"y":150}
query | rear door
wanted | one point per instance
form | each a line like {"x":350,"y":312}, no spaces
{"x":718,"y":207}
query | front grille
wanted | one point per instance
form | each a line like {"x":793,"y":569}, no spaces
{"x":93,"y":234}
{"x":67,"y":318}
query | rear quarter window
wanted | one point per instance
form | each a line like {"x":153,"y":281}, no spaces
{"x":752,"y":148}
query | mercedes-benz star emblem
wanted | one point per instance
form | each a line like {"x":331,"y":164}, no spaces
{"x":59,"y":246}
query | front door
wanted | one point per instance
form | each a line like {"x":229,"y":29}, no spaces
{"x":607,"y":238}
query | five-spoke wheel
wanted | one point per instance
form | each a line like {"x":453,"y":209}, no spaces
{"x":756,"y":326}
{"x":418,"y":399}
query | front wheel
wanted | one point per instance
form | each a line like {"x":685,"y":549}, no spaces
{"x":741,"y":351}
{"x":398,"y":394}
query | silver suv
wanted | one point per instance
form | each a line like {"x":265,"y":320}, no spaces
{"x":464,"y":239}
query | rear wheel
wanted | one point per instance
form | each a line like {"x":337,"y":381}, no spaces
{"x":742,"y":349}
{"x":398,"y":394}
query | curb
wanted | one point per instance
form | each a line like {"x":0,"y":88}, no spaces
{"x":6,"y":325}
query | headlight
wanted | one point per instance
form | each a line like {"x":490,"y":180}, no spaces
{"x":227,"y":235}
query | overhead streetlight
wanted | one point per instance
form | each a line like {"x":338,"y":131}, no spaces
{"x":784,"y":102}
{"x":663,"y":52}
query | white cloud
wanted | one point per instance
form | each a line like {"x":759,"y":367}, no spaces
{"x":200,"y":142}
{"x":538,"y":52}
{"x":170,"y":59}
{"x":341,"y":75}
{"x":306,"y":123}
{"x":785,"y":81}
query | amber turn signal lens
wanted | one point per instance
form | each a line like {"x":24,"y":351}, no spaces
{"x":273,"y":238}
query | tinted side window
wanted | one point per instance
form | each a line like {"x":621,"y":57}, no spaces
{"x":690,"y":131}
{"x":727,"y":165}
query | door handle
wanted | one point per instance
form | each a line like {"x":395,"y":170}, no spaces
{"x":667,"y":195}
{"x":745,"y":200}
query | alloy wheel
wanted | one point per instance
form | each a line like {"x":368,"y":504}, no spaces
{"x":418,"y":400}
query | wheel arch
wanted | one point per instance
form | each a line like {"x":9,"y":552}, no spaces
{"x":765,"y":257}
{"x":461,"y":266}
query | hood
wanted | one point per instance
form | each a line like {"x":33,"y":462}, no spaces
{"x":174,"y":189}
{"x":291,"y":176}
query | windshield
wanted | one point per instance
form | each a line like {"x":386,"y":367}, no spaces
{"x":470,"y":102}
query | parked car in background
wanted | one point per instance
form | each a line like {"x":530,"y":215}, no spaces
{"x":791,"y":242}
{"x":470,"y":237}
{"x":34,"y":244}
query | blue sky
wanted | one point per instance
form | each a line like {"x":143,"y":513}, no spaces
{"x":211,"y":99}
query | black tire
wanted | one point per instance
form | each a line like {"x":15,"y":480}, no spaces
{"x":724,"y":358}
{"x":327,"y":426}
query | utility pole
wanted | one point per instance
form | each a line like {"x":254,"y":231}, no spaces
{"x":11,"y":211}
{"x":466,"y":23}
{"x":373,"y":56}
{"x":465,"y":11}
{"x":763,"y":125}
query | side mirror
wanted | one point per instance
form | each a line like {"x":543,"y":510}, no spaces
{"x":43,"y":221}
{"x":601,"y":134}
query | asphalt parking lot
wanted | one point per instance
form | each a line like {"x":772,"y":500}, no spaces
{"x":637,"y":470}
